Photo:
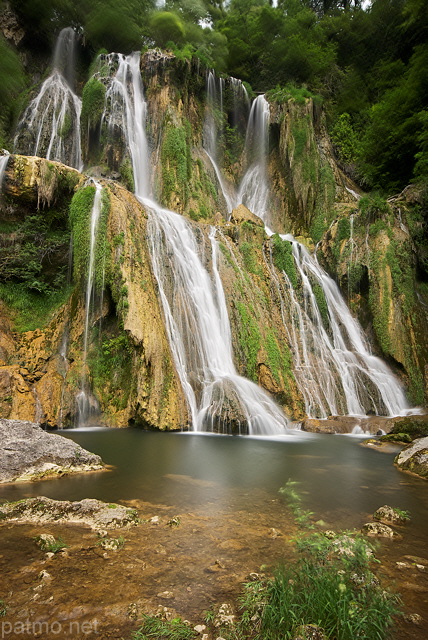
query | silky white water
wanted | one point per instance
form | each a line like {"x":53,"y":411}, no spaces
{"x":333,"y":364}
{"x":193,"y":301}
{"x":50,"y":126}
{"x":86,"y":403}
{"x":3,"y":164}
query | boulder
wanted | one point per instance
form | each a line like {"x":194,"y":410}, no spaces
{"x":414,"y":457}
{"x":378,"y":530}
{"x":94,"y":513}
{"x":390,"y":515}
{"x":29,"y":453}
{"x":242,"y":214}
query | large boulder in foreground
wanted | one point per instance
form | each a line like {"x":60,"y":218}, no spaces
{"x":29,"y":453}
{"x":414,"y":457}
{"x":90,"y":512}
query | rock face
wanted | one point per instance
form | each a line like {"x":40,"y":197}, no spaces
{"x":29,"y":453}
{"x":94,"y":513}
{"x":129,"y":370}
{"x":414,"y":457}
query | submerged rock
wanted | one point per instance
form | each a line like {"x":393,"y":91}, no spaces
{"x":378,"y":530}
{"x":390,"y":515}
{"x":94,"y":513}
{"x":414,"y":457}
{"x":29,"y":453}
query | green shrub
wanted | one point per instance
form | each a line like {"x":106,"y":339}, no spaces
{"x":93,"y":99}
{"x":283,"y":258}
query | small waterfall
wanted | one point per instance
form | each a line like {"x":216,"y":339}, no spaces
{"x":3,"y":165}
{"x":198,"y":326}
{"x":193,"y":300}
{"x":333,"y":365}
{"x":253,"y":191}
{"x":125,"y":110}
{"x":86,"y":403}
{"x":50,"y":126}
{"x":212,"y":134}
{"x":240,"y":97}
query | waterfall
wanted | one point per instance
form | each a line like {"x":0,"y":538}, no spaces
{"x":240,"y":95}
{"x":125,"y":109}
{"x":3,"y":164}
{"x":212,"y":134}
{"x":86,"y":403}
{"x":193,"y":301}
{"x":50,"y":126}
{"x":253,"y":191}
{"x":333,"y":365}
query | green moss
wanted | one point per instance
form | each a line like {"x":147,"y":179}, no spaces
{"x":278,"y":359}
{"x":32,"y":310}
{"x":343,"y":229}
{"x":80,"y":219}
{"x":283,"y":258}
{"x":321,"y":303}
{"x":248,"y":252}
{"x":176,"y":162}
{"x":111,"y":369}
{"x":127,"y":174}
{"x":93,"y":99}
{"x":249,"y":339}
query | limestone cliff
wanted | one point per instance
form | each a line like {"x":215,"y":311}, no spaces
{"x":129,"y":362}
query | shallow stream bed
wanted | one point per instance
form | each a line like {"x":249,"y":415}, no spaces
{"x":231,"y":521}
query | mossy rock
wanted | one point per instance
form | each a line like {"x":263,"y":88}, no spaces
{"x":414,"y":426}
{"x":397,"y":437}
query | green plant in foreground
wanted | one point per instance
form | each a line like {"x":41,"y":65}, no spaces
{"x":3,"y":608}
{"x":51,"y":546}
{"x":157,"y":629}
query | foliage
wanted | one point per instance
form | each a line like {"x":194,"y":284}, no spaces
{"x":50,"y":546}
{"x":291,"y":92}
{"x":3,"y":608}
{"x":345,"y":139}
{"x":158,"y":629}
{"x":248,"y":251}
{"x":12,"y":80}
{"x":372,"y":207}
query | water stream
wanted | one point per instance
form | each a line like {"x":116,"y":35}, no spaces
{"x":333,"y":363}
{"x":86,"y":403}
{"x":192,"y":297}
{"x":3,"y":165}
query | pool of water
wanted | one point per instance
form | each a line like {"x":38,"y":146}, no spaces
{"x":340,"y":480}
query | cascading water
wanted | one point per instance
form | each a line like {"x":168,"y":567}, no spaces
{"x":86,"y":403}
{"x":125,"y":110}
{"x":50,"y":126}
{"x":334,"y":368}
{"x":212,"y":133}
{"x":3,"y":164}
{"x":193,"y":302}
{"x":253,"y":191}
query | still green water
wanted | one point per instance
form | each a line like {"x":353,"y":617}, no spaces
{"x":341,"y":481}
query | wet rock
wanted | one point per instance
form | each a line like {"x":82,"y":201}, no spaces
{"x":225,"y":616}
{"x":378,"y":530}
{"x":166,"y":595}
{"x":390,"y":515}
{"x":200,"y":628}
{"x":111,"y":544}
{"x":94,"y":513}
{"x":45,"y":541}
{"x":242,"y":214}
{"x":414,"y":457}
{"x":413,"y":618}
{"x":29,"y":453}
